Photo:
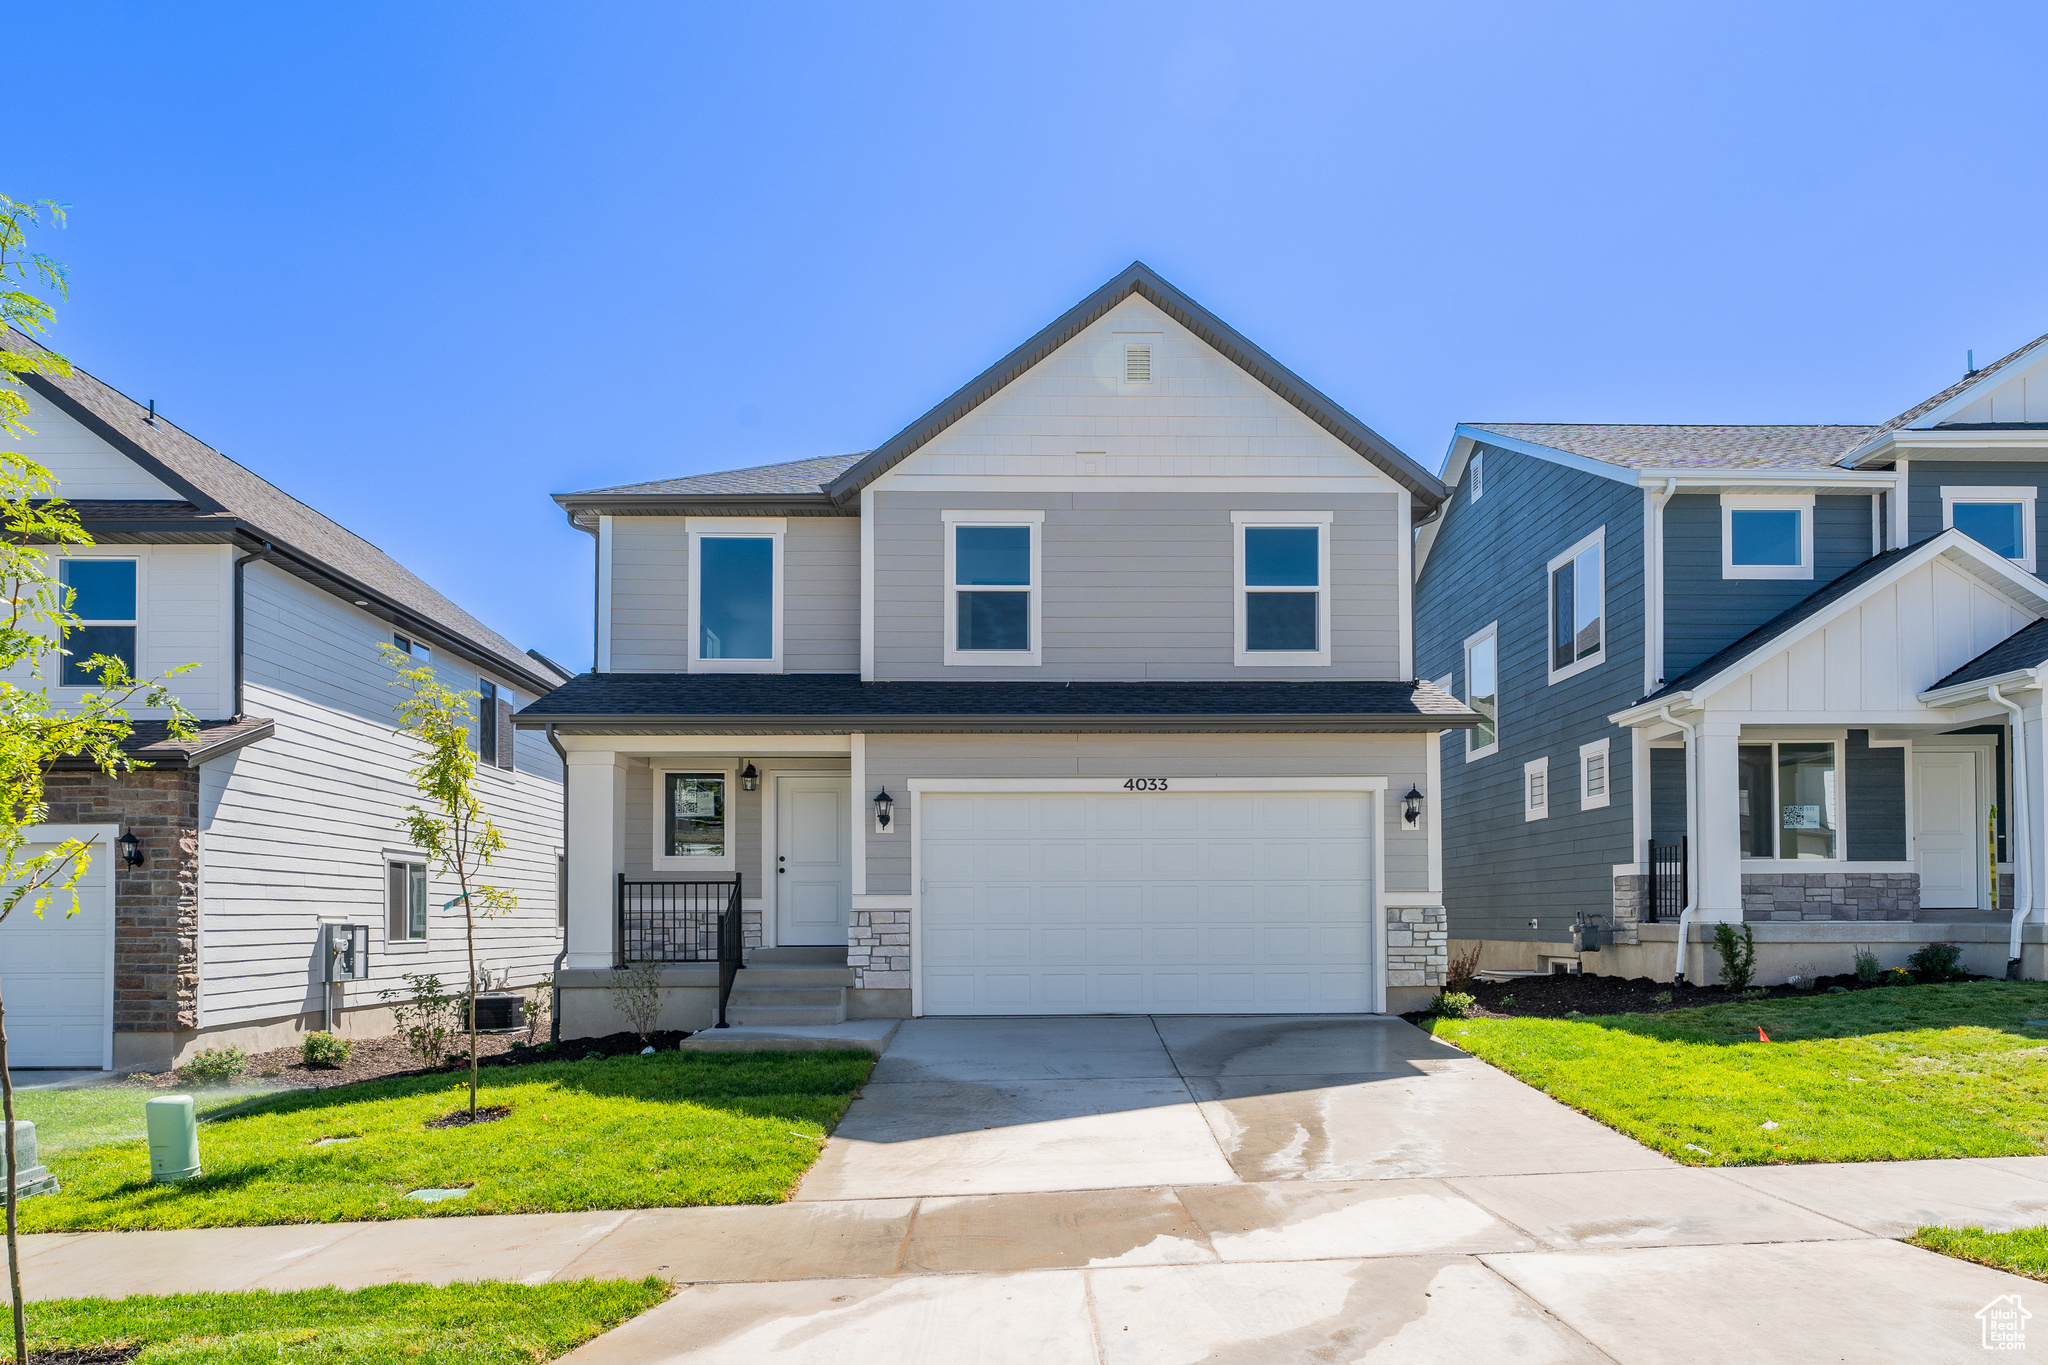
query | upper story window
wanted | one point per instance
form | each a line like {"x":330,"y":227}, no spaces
{"x":487,"y":720}
{"x":1283,"y":597}
{"x":1578,"y":603}
{"x":1766,"y":535}
{"x":736,"y":601}
{"x":412,"y":648}
{"x":2000,"y":519}
{"x":1482,"y":691}
{"x":992,"y":570}
{"x":102,"y":593}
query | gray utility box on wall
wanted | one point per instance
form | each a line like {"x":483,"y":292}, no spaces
{"x":348,"y":952}
{"x":1591,"y":935}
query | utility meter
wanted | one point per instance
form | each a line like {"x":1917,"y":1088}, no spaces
{"x":348,"y":952}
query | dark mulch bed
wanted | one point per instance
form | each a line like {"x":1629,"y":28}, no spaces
{"x":86,"y":1355}
{"x":1555,"y":997}
{"x":462,"y":1118}
{"x":376,"y":1059}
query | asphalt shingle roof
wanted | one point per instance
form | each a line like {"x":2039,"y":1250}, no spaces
{"x":756,"y":699}
{"x":2026,"y":647}
{"x":1651,"y":446}
{"x":1919,"y":410}
{"x":212,"y":478}
{"x":796,"y":476}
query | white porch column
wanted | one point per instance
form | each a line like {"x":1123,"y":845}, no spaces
{"x":596,"y":792}
{"x":2031,"y":842}
{"x":1717,"y":850}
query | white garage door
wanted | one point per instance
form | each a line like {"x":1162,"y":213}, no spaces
{"x":57,"y":972}
{"x":1124,"y":903}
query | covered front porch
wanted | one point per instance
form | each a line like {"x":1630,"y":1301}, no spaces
{"x":1870,"y":761}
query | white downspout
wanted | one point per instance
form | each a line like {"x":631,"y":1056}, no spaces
{"x":1653,"y":590}
{"x":1692,"y":843}
{"x":2023,"y":832}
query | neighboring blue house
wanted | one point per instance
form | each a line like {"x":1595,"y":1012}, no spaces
{"x":1746,"y":673}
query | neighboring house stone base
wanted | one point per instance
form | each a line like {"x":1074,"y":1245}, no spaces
{"x":156,"y":905}
{"x":1799,"y":896}
{"x":1418,"y":946}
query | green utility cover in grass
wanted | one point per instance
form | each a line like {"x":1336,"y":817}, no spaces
{"x":173,"y":1139}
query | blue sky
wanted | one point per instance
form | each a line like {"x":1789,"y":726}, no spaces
{"x":422,"y":265}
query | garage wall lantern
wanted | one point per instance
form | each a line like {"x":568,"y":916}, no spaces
{"x":1411,"y":807}
{"x":750,"y":777}
{"x":884,"y":804}
{"x":131,"y":849}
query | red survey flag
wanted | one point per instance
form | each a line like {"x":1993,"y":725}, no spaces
{"x":1761,"y":1036}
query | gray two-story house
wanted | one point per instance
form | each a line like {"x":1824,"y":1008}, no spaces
{"x":1091,"y":691}
{"x":1782,"y":675}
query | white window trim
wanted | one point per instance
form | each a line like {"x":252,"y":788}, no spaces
{"x":402,"y":857}
{"x":1478,"y":466}
{"x":1598,"y":656}
{"x":666,"y":862}
{"x":1840,"y":739}
{"x":1277,"y":658}
{"x":1492,"y":628}
{"x":1034,"y":521}
{"x":1587,"y":752}
{"x":746,"y":528}
{"x":2024,"y":494}
{"x":141,"y":615}
{"x":1532,"y":810}
{"x":1802,"y":503}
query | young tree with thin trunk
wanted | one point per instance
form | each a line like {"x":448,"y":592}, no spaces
{"x":451,"y":827}
{"x":35,"y":619}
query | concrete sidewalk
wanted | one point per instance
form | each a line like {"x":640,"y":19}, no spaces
{"x":1107,"y":1191}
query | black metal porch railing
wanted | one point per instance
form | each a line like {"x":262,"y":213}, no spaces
{"x":1666,"y":900}
{"x":682,"y":922}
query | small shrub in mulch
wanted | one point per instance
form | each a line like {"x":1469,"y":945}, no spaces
{"x":462,"y":1118}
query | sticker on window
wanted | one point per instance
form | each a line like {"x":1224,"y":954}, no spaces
{"x":1801,"y":817}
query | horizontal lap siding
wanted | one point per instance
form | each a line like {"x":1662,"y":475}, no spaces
{"x":1704,"y":613}
{"x":893,"y":760}
{"x":1137,"y":585}
{"x":650,"y":602}
{"x":1925,"y":479}
{"x":1489,"y":562}
{"x":294,"y":829}
{"x":821,"y":596}
{"x":87,"y":469}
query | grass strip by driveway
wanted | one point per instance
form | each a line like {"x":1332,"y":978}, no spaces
{"x":676,"y":1128}
{"x":2023,"y":1251}
{"x":92,"y":1115}
{"x":394,"y":1324}
{"x":1917,"y":1071}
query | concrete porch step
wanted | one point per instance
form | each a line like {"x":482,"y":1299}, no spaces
{"x":826,"y":996}
{"x":754,"y":977}
{"x":757,"y":1016}
{"x":797,"y":957}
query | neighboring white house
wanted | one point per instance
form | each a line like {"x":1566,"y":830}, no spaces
{"x":1092,"y":691}
{"x":283,"y":815}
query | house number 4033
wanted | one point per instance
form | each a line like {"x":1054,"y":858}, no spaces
{"x":1144,"y":784}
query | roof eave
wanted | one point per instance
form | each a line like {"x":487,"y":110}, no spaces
{"x":1140,"y":279}
{"x":973,"y":722}
{"x":1979,"y":689}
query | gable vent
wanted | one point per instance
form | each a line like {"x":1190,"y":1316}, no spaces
{"x":1137,"y":364}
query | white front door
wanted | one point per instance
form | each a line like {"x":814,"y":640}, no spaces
{"x":1171,"y":903}
{"x":813,"y":861}
{"x":1950,"y":847}
{"x":57,"y":971}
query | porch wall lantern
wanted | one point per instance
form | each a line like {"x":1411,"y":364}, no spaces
{"x":1411,"y":806}
{"x":750,"y":777}
{"x":131,"y":849}
{"x":884,"y":804}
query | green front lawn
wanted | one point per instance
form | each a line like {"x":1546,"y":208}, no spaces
{"x":2023,"y":1252}
{"x":68,"y":1120}
{"x":1917,"y":1071}
{"x":676,"y":1128}
{"x":393,"y":1324}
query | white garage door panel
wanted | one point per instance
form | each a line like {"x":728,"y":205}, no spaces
{"x":56,"y":972}
{"x":1048,"y":903}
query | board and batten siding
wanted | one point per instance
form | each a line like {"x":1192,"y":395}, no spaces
{"x":295,"y":830}
{"x":1138,"y":586}
{"x":893,"y":760}
{"x":1704,"y":613}
{"x":650,"y":602}
{"x":1490,"y":563}
{"x":1925,"y":479}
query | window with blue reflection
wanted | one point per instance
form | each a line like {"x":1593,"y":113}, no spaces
{"x":998,"y":560}
{"x":1764,"y":537}
{"x":736,"y":597}
{"x":1994,"y":525}
{"x":1277,"y":557}
{"x":102,"y":593}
